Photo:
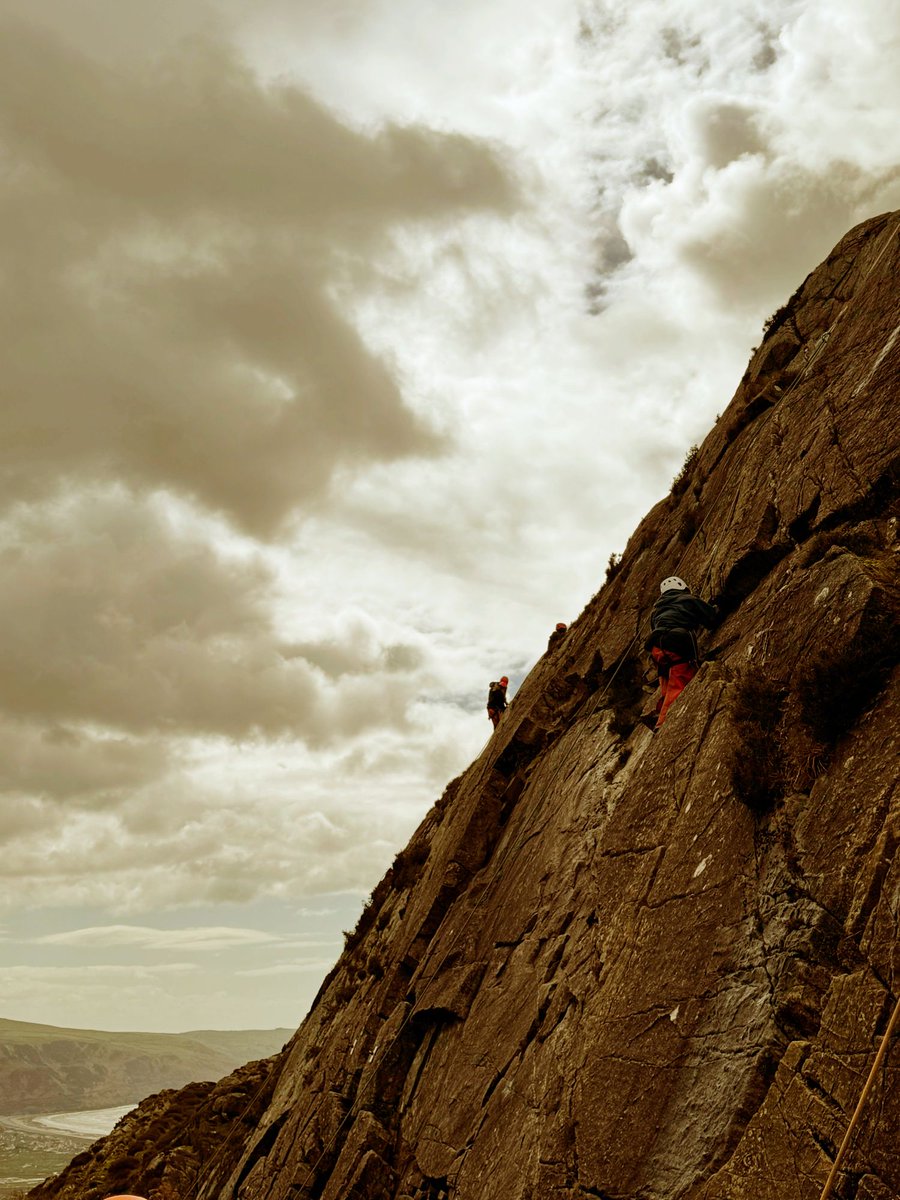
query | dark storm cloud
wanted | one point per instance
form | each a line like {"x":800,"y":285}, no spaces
{"x":110,"y":618}
{"x":63,"y":763}
{"x":170,"y":236}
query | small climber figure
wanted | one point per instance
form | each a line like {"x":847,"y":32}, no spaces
{"x":676,"y":617}
{"x":496,"y":705}
{"x":557,"y":635}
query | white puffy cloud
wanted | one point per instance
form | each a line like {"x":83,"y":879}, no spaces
{"x":148,"y":938}
{"x":763,"y":132}
{"x":288,"y":968}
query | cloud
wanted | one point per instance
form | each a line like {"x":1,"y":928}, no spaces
{"x":130,"y":33}
{"x":167,"y":996}
{"x":225,"y":829}
{"x":723,"y":130}
{"x":167,"y":940}
{"x":101,"y":974}
{"x":356,"y":646}
{"x":288,"y":968}
{"x":103,"y":996}
{"x":59,"y":761}
{"x":767,"y":128}
{"x":170,"y":236}
{"x":111,"y":616}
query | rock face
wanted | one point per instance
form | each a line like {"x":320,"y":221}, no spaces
{"x":167,"y":1136}
{"x":619,"y":964}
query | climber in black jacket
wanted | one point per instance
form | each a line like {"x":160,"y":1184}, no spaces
{"x":496,"y":705}
{"x":676,"y":617}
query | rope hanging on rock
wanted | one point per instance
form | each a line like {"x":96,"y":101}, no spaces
{"x":854,"y":1120}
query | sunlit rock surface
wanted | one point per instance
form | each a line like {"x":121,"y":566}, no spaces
{"x":623,"y":965}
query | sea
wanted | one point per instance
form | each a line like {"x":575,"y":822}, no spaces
{"x":41,"y":1144}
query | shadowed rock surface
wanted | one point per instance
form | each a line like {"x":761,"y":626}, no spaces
{"x":622,"y":965}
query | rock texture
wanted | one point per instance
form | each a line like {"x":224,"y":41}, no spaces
{"x":621,"y":965}
{"x":170,"y":1137}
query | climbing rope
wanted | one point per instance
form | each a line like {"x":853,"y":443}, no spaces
{"x":206,"y":1167}
{"x":864,"y":1095}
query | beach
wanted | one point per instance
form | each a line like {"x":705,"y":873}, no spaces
{"x":35,"y":1145}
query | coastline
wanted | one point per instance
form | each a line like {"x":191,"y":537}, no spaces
{"x":88,"y":1124}
{"x":34,"y":1146}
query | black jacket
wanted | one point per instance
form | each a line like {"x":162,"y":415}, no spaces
{"x":679,"y":610}
{"x":497,"y":697}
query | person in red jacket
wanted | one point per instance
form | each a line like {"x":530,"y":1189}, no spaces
{"x":676,"y":617}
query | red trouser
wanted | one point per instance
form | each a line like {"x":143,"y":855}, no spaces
{"x":674,"y":676}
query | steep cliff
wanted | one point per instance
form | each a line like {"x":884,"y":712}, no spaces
{"x":619,"y":964}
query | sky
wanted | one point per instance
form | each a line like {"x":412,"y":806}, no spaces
{"x":343,"y":343}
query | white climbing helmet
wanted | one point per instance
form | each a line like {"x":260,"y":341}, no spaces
{"x":673,"y":584}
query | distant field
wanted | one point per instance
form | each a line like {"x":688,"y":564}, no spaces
{"x":229,"y":1041}
{"x":29,"y":1155}
{"x":45,"y":1069}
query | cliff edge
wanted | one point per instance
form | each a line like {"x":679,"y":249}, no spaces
{"x":623,"y":965}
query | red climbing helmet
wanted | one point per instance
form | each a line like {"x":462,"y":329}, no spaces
{"x":561,"y":625}
{"x":504,"y":679}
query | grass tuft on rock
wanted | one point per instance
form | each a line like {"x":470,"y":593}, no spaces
{"x":683,"y":478}
{"x":758,"y":766}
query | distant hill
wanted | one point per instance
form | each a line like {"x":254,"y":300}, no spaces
{"x":47,"y":1069}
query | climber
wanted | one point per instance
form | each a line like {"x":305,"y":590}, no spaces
{"x":676,"y":617}
{"x":496,"y":705}
{"x":557,"y":634}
